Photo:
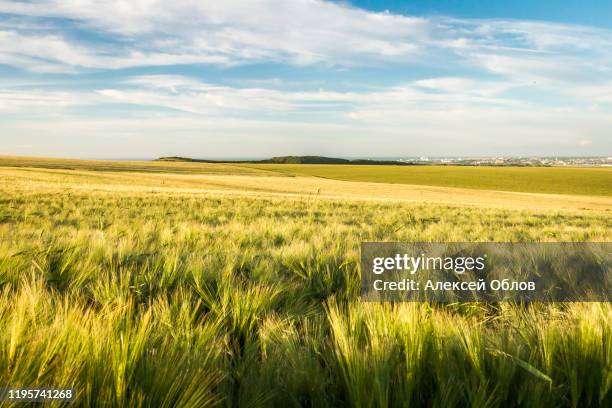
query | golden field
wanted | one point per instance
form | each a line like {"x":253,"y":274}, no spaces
{"x":191,"y":284}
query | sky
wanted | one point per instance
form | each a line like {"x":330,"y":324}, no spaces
{"x":260,"y":78}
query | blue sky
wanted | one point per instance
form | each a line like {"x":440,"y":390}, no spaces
{"x":585,"y":12}
{"x":138,"y":79}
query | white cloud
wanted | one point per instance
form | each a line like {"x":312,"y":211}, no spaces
{"x":188,"y":95}
{"x":152,"y":32}
{"x":39,"y":101}
{"x":453,"y":132}
{"x":467,"y":86}
{"x":510,"y":81}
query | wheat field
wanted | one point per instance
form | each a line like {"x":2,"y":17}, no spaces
{"x":219,"y":285}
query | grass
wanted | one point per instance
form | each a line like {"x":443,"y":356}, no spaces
{"x":588,"y":181}
{"x":551,"y":180}
{"x":128,"y":166}
{"x":145,"y":289}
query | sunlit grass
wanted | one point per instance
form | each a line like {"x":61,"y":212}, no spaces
{"x":138,"y":298}
{"x":555,"y":180}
